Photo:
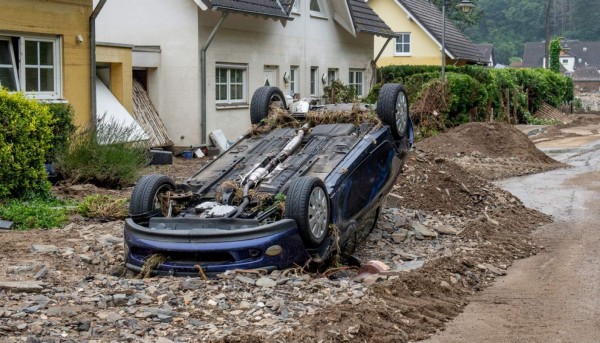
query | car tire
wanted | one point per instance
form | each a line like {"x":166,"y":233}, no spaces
{"x":392,"y":109}
{"x":145,"y":196}
{"x":262,"y":99}
{"x":307,"y":202}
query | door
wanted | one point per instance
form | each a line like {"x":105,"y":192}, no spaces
{"x":270,"y":76}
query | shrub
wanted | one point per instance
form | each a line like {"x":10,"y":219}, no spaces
{"x":337,"y":92}
{"x":108,"y":154}
{"x":62,"y":129}
{"x":25,"y":138}
{"x":37,"y":213}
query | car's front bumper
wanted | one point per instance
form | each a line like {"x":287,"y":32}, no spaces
{"x":215,"y":245}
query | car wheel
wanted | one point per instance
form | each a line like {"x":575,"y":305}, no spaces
{"x":307,"y":203}
{"x":146,"y":196}
{"x":392,"y":108}
{"x":262,"y":99}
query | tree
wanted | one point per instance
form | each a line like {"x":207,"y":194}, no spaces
{"x":555,"y":54}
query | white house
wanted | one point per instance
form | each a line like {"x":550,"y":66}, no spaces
{"x":297,"y":46}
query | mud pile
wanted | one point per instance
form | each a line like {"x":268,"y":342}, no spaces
{"x":489,"y":150}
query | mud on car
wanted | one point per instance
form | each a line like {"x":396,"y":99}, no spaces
{"x":283,"y":195}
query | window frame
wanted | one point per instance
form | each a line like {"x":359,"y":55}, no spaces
{"x":294,"y":84}
{"x":403,"y":43}
{"x":352,"y":81}
{"x":229,"y":67}
{"x":322,"y":13}
{"x":21,"y":65}
{"x":336,"y":75}
{"x":13,"y":65}
{"x":314,"y":81}
{"x":296,"y":7}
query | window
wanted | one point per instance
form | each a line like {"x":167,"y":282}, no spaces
{"x":31,"y":65}
{"x":332,"y":75}
{"x":565,"y":61}
{"x":317,"y":8}
{"x":296,"y":6}
{"x":294,"y":80}
{"x":314,"y":77}
{"x":355,"y":80}
{"x":230,"y":83}
{"x":403,"y":44}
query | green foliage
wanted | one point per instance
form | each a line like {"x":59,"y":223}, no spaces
{"x":531,"y":120}
{"x":107,"y":154}
{"x":25,"y":138}
{"x":62,"y":129}
{"x":337,"y":92}
{"x":37,"y":213}
{"x":555,"y":49}
{"x":476,"y":93}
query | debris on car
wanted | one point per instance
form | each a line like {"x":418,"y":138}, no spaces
{"x":303,"y":183}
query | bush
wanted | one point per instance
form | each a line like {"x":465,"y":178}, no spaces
{"x":25,"y":138}
{"x":37,"y":213}
{"x":62,"y":129}
{"x":337,"y":92}
{"x":108,"y":154}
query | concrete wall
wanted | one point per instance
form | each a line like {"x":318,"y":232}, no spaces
{"x":67,"y":19}
{"x":424,"y":50}
{"x":174,"y":87}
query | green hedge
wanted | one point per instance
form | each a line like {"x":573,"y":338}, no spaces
{"x":476,"y":92}
{"x":62,"y":129}
{"x":25,"y":138}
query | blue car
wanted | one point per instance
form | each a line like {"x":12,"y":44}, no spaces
{"x":288,"y":196}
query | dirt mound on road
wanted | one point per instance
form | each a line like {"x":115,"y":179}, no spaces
{"x":490,"y":150}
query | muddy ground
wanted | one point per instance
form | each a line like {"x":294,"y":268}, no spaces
{"x":446,"y":234}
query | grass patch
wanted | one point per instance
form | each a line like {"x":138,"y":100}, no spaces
{"x":103,"y":207}
{"x":35,"y":213}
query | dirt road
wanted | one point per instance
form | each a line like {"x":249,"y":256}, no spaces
{"x":553,"y":296}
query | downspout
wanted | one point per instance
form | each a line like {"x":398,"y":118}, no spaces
{"x":203,"y":77}
{"x":93,"y":17}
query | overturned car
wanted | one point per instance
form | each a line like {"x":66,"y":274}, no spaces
{"x":300,"y":186}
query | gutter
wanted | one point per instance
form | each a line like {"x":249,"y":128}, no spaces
{"x":93,"y":17}
{"x":203,"y":77}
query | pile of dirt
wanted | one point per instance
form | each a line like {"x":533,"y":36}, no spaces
{"x":413,"y":305}
{"x":579,"y":122}
{"x":490,"y":150}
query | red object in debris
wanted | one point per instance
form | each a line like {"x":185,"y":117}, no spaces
{"x":372,"y":267}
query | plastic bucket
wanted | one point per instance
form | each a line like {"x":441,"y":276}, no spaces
{"x":188,"y":155}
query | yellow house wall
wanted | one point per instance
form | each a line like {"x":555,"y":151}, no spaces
{"x":424,"y":51}
{"x":121,"y":78}
{"x":66,"y":18}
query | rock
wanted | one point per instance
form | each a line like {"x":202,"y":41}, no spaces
{"x":444,"y":284}
{"x":84,"y":325}
{"x":371,"y":279}
{"x":44,"y":248}
{"x":400,"y":222}
{"x":120,"y":299}
{"x":41,"y":273}
{"x":163,"y":340}
{"x":447,"y":230}
{"x":266,"y":282}
{"x":63,"y":311}
{"x":21,"y":286}
{"x":399,"y":236}
{"x":245,"y":279}
{"x":494,"y":270}
{"x":422,"y":229}
{"x":394,"y":200}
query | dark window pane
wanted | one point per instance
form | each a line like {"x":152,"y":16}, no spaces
{"x":46,"y":53}
{"x":47,"y":80}
{"x":7,"y":79}
{"x":236,"y":92}
{"x":314,"y":6}
{"x":221,"y":92}
{"x":406,"y":38}
{"x":31,"y":53}
{"x":31,"y":80}
{"x":5,"y":53}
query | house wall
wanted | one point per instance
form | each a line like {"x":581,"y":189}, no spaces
{"x":120,"y":61}
{"x":305,"y":42}
{"x":174,"y":86}
{"x":424,"y":51}
{"x":39,"y":17}
{"x":586,"y":86}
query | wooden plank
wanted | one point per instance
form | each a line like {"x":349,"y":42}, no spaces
{"x":146,"y":115}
